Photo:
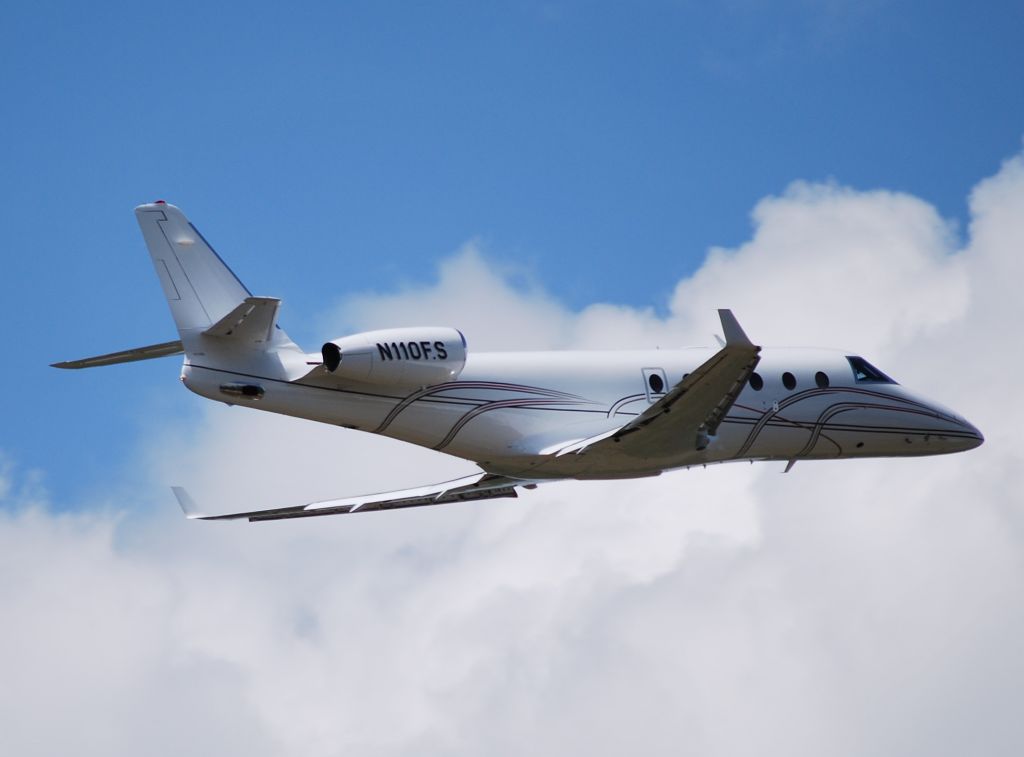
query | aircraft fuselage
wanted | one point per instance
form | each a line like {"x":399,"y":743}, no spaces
{"x":506,"y":409}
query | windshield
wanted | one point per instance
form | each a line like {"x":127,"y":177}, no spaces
{"x":865,"y":373}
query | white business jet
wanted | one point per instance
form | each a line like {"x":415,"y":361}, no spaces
{"x":524,"y":417}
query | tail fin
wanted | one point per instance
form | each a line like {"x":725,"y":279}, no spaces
{"x":199,"y":287}
{"x":212,"y":309}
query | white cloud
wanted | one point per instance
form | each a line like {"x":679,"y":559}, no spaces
{"x":494,"y":308}
{"x":829,"y":263}
{"x":845,"y":608}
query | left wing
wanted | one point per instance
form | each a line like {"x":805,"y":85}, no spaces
{"x":477,"y":486}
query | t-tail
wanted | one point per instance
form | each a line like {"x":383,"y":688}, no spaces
{"x":217,"y":317}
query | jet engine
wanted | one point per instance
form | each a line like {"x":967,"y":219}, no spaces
{"x":400,"y":357}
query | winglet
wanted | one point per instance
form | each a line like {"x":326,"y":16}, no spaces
{"x":734,"y":334}
{"x":186,"y":503}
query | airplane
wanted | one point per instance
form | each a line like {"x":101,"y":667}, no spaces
{"x":524,"y":418}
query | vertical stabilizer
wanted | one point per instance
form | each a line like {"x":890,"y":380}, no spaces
{"x":200,"y":289}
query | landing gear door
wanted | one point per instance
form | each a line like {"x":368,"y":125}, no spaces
{"x":655,"y":383}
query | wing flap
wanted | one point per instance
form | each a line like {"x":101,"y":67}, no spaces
{"x":468,"y":488}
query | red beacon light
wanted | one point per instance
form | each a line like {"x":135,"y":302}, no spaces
{"x":160,"y":202}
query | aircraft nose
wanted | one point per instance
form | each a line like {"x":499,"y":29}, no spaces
{"x":975,"y":439}
{"x":956,"y":434}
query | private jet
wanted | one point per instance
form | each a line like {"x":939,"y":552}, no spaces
{"x":524,"y":418}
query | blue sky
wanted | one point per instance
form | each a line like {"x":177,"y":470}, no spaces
{"x":344,"y":147}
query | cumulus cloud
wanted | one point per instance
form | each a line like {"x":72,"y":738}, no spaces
{"x":845,"y":608}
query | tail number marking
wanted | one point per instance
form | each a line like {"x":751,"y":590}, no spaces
{"x":412,"y":350}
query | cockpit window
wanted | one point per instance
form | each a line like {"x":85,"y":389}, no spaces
{"x":865,"y":373}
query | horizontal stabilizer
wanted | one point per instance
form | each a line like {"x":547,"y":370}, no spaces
{"x":477,"y":486}
{"x":126,"y":356}
{"x":253,"y":321}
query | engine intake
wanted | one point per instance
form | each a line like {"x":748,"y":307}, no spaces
{"x":332,"y":356}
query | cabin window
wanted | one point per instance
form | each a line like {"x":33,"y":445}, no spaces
{"x":789,"y":381}
{"x":756,"y":382}
{"x":865,"y":373}
{"x":821,"y":379}
{"x":655,"y":383}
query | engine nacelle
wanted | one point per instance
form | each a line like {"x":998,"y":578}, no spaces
{"x":402,"y":357}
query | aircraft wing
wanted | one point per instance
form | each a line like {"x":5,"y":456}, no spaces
{"x":691,"y":411}
{"x":125,"y":356}
{"x":477,"y":486}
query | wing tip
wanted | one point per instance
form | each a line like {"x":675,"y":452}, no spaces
{"x":734,"y":334}
{"x":187,"y":504}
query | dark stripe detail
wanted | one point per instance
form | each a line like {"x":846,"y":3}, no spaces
{"x":456,"y":385}
{"x":893,"y":403}
{"x":621,"y":403}
{"x":503,"y":404}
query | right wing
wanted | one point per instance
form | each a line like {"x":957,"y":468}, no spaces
{"x":125,"y":356}
{"x":477,"y":486}
{"x":690,"y":413}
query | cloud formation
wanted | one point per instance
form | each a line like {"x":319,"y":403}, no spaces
{"x":848,"y":608}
